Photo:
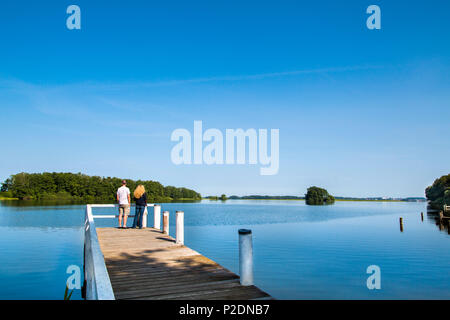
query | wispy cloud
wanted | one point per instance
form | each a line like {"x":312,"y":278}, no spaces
{"x":260,"y":76}
{"x":105,"y":85}
{"x":110,"y":104}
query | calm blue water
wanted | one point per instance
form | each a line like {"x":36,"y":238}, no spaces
{"x":300,"y":252}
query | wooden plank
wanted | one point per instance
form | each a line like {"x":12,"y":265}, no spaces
{"x":236,"y":293}
{"x":147,"y":264}
{"x":177,"y":289}
{"x":169,"y":282}
{"x":170,"y":273}
{"x":213,"y":274}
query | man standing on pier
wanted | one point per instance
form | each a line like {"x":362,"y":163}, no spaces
{"x":124,"y":200}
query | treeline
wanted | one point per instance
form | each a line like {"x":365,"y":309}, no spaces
{"x":81,"y":187}
{"x":223,"y":197}
{"x":439,"y":193}
{"x":258,"y":197}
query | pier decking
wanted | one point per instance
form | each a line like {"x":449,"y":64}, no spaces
{"x":148,"y":264}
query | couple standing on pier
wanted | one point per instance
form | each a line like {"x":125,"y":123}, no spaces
{"x":124,"y":200}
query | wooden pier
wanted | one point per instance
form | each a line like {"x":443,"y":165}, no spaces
{"x":147,"y":264}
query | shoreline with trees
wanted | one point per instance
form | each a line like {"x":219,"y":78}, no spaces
{"x":438,"y":194}
{"x":77,"y":187}
{"x":300,"y":198}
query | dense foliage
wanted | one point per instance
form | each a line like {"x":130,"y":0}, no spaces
{"x":318,"y":196}
{"x":80,"y":187}
{"x":439,"y":192}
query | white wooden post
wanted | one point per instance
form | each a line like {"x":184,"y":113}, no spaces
{"x":157,"y":217}
{"x":180,"y":227}
{"x":166,"y":222}
{"x":144,"y":218}
{"x":245,"y":257}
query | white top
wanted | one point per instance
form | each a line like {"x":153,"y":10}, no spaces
{"x":123,"y":193}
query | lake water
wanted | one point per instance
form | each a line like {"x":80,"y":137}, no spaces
{"x":300,"y":252}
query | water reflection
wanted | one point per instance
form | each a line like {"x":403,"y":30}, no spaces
{"x":439,"y":219}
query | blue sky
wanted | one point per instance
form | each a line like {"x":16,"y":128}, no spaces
{"x":360,"y":112}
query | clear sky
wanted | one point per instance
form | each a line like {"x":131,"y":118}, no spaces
{"x":360,"y":112}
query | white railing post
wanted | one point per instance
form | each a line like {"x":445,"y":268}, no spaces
{"x":157,"y":217}
{"x":144,"y":218}
{"x":245,"y":257}
{"x":166,"y":222}
{"x":180,"y":227}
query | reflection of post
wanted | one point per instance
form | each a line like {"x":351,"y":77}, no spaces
{"x":180,"y":227}
{"x":246,"y":257}
{"x":166,"y":222}
{"x":401,"y":224}
{"x":144,"y":218}
{"x":157,"y":217}
{"x":421,"y":215}
{"x":441,"y":215}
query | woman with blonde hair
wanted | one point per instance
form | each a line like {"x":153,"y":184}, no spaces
{"x":140,"y":197}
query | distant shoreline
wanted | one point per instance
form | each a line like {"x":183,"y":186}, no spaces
{"x":189,"y":199}
{"x":295,"y":199}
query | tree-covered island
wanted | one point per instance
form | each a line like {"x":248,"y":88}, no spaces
{"x":318,"y":196}
{"x":81,"y":187}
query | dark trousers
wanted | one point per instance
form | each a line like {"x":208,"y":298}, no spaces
{"x":138,"y":216}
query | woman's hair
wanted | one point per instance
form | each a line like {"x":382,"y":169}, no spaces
{"x":140,"y":190}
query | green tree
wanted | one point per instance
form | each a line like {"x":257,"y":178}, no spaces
{"x":439,"y":192}
{"x":318,"y":196}
{"x":223,"y":197}
{"x":6,"y":185}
